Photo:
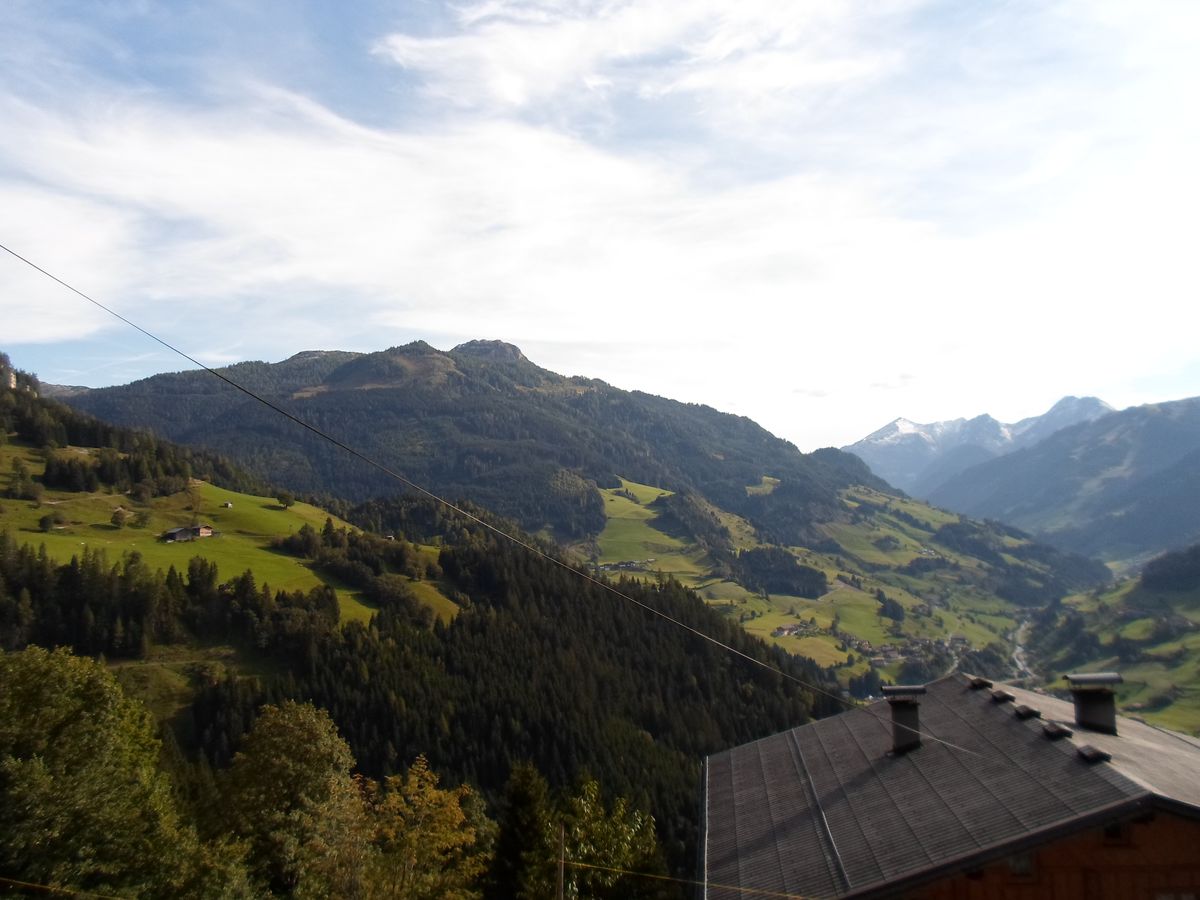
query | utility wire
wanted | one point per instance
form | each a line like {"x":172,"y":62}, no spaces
{"x":537,"y":551}
{"x":750,"y":892}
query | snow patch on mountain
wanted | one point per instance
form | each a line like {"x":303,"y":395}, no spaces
{"x":917,"y":457}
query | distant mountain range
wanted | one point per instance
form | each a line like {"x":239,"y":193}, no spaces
{"x":919,"y":458}
{"x":1122,"y":487}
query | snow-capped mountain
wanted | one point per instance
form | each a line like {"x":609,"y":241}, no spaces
{"x":917,"y":457}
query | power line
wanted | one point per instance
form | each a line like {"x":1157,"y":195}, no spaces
{"x":531,"y":548}
{"x":749,"y":892}
{"x":391,"y":473}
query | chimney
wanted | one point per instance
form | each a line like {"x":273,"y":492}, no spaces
{"x":906,"y":728}
{"x":1095,"y":701}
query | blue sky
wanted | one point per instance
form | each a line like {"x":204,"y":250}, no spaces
{"x":819,"y":214}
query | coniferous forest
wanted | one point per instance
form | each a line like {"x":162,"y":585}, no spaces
{"x":414,"y":756}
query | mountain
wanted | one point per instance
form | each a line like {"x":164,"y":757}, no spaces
{"x":918,"y":458}
{"x":524,"y":661}
{"x":480,"y":655}
{"x":61,"y":391}
{"x":809,"y":551}
{"x":482,"y":421}
{"x":1123,"y":486}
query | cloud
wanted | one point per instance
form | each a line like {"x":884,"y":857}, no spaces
{"x":712,"y":201}
{"x":574,"y":59}
{"x":40,"y":221}
{"x":898,"y":382}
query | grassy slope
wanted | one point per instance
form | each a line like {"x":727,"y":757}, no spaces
{"x":1162,"y":679}
{"x":980,"y":617}
{"x":246,"y":532}
{"x":630,"y":536}
{"x":166,"y":680}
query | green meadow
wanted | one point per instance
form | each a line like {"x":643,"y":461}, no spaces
{"x":246,"y":525}
{"x":629,"y":535}
{"x":1152,"y":638}
{"x":937,"y":605}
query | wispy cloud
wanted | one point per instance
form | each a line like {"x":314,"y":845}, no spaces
{"x":714,"y":201}
{"x":654,"y":65}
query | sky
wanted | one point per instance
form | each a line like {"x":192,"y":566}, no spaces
{"x":819,"y":214}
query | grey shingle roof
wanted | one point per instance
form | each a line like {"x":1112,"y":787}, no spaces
{"x":825,"y":810}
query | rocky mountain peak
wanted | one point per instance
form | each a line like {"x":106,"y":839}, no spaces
{"x":918,"y":456}
{"x":494,"y":351}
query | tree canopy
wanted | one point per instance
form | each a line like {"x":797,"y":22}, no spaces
{"x":85,"y":804}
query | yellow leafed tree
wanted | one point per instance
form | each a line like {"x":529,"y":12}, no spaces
{"x":430,"y":841}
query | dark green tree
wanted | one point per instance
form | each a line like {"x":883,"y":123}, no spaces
{"x":85,"y":805}
{"x":290,"y":778}
{"x":524,"y":817}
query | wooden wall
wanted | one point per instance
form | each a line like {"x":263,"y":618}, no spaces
{"x":1158,"y":859}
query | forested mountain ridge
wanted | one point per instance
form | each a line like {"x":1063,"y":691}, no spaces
{"x":134,"y":460}
{"x":483,"y":422}
{"x":816,"y":536}
{"x":1123,"y":487}
{"x":535,"y":665}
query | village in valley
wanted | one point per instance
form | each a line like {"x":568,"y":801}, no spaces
{"x":892,"y":653}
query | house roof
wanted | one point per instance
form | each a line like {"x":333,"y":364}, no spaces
{"x":826,"y":810}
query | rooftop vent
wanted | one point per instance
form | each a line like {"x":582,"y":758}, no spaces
{"x":1001,"y":696}
{"x":1056,"y":730}
{"x":1091,"y":754}
{"x":979,"y":682}
{"x":1027,"y":712}
{"x":906,"y":729}
{"x":1095,"y":701}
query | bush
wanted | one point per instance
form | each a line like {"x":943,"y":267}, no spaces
{"x":50,"y":521}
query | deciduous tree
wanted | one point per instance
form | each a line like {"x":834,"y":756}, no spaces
{"x":430,"y":845}
{"x":85,"y":806}
{"x":289,"y":780}
{"x":604,"y":850}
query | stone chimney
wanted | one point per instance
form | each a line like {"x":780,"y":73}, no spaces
{"x":1095,"y":700}
{"x":906,"y":725}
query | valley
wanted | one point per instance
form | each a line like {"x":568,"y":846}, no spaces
{"x":1150,"y":635}
{"x":441,"y":451}
{"x":945,"y":608}
{"x":412,"y":625}
{"x":412,"y":633}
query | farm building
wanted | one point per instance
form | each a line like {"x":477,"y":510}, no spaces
{"x":188,"y":533}
{"x":957,"y":790}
